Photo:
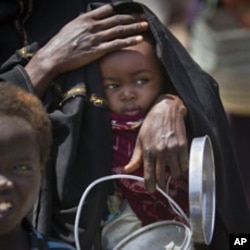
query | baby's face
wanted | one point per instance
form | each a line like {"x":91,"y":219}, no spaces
{"x":132,"y":79}
{"x":20,"y":172}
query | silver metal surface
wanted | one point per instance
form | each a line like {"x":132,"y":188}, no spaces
{"x":159,"y":235}
{"x":202,"y":189}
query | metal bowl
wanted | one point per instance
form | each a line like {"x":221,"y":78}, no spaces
{"x":158,"y":235}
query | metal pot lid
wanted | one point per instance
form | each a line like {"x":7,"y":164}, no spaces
{"x":202,"y":189}
{"x":158,"y":235}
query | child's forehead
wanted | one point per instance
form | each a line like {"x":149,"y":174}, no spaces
{"x":8,"y":124}
{"x":17,"y":137}
{"x":143,"y":48}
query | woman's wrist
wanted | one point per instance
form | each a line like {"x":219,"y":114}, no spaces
{"x":40,"y":74}
{"x":175,"y":102}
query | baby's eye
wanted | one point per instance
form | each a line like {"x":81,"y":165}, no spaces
{"x":111,"y":86}
{"x":142,"y":81}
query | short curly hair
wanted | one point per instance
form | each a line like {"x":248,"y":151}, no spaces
{"x":17,"y":102}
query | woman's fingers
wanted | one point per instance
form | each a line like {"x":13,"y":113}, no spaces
{"x":122,"y":31}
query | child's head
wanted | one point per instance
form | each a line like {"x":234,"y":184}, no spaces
{"x":25,"y":140}
{"x":133,"y":78}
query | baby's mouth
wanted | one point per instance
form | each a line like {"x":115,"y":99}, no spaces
{"x":131,"y":111}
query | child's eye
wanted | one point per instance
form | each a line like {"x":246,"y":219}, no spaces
{"x":142,"y":81}
{"x":21,"y":168}
{"x":111,"y":86}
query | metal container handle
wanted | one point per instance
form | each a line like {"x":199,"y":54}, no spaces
{"x":112,"y":177}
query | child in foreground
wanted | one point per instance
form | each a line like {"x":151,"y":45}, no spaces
{"x":133,"y":79}
{"x":25,"y":140}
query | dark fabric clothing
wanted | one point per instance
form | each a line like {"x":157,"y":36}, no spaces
{"x":241,"y":135}
{"x":81,"y":125}
{"x":39,"y":242}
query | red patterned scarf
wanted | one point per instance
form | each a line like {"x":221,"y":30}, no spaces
{"x":148,"y":207}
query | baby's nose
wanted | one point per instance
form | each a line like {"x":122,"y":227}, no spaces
{"x":128,"y":94}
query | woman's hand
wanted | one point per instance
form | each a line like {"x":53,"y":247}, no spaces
{"x":161,"y":144}
{"x":83,"y":40}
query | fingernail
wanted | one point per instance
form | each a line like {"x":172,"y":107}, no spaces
{"x":139,"y":38}
{"x":144,"y":25}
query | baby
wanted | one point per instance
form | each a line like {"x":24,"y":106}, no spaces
{"x":133,"y":80}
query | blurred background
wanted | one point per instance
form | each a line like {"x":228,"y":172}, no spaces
{"x":217,"y":35}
